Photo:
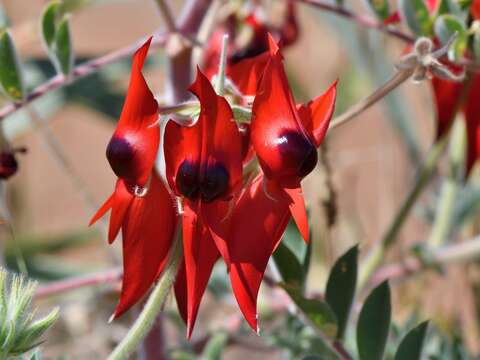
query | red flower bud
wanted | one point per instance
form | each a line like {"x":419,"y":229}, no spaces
{"x":8,"y":165}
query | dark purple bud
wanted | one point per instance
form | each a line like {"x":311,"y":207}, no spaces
{"x":8,"y":165}
{"x":120,"y":155}
{"x":298,"y":153}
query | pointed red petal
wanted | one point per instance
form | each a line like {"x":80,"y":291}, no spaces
{"x":472,"y":117}
{"x":200,"y":256}
{"x":136,"y":127}
{"x":296,"y":204}
{"x":258,"y":223}
{"x":148,"y":233}
{"x":447,"y":97}
{"x":316,"y":114}
{"x":247,"y":73}
{"x":103,"y":209}
{"x":122,"y":198}
{"x":180,"y":288}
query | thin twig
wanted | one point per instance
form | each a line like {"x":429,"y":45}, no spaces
{"x":166,"y":15}
{"x":397,"y":79}
{"x":362,"y":20}
{"x":61,"y":286}
{"x":80,"y":71}
{"x":458,"y":253}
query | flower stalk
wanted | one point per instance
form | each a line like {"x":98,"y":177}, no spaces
{"x":154,"y":304}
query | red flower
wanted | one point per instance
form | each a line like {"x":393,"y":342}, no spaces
{"x":475,"y":9}
{"x":203,"y":167}
{"x":140,"y":198}
{"x":246,"y":64}
{"x":285,"y":138}
{"x":453,"y":96}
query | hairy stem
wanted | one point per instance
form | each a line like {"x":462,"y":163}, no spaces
{"x":396,"y":80}
{"x":146,"y":319}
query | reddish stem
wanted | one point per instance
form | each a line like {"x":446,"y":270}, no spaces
{"x":362,"y":20}
{"x":81,"y":71}
{"x":58,"y":287}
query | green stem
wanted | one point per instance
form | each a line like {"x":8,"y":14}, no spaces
{"x":147,"y":317}
{"x":442,"y":223}
{"x":375,"y":258}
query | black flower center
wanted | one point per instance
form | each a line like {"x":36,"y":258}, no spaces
{"x":211,"y":186}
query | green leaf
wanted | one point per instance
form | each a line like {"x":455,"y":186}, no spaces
{"x":317,"y":311}
{"x":215,"y":346}
{"x":374,"y":323}
{"x":341,"y":285}
{"x":447,"y":26}
{"x":380,"y":8}
{"x":416,"y":15}
{"x":292,"y":257}
{"x":48,"y":24}
{"x":411,"y":346}
{"x":11,"y":78}
{"x":63,"y":47}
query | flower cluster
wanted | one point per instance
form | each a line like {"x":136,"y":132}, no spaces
{"x":230,"y":186}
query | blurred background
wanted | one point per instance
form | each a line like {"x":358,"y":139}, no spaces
{"x":367,"y":168}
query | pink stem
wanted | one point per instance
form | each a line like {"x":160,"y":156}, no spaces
{"x":58,"y":287}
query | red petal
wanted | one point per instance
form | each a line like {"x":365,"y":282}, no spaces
{"x":102,"y":211}
{"x":122,"y":199}
{"x":216,"y":215}
{"x":296,"y":204}
{"x":181,"y":292}
{"x":148,"y":233}
{"x":220,"y":137}
{"x":200,"y":256}
{"x":472,"y":117}
{"x":274,"y":114}
{"x":447,"y":97}
{"x":432,"y":5}
{"x":247,"y":73}
{"x":258,"y":223}
{"x":475,"y":9}
{"x":316,"y":114}
{"x":180,"y":143}
{"x":392,"y":19}
{"x":137,"y":121}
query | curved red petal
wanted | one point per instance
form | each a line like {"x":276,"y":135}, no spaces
{"x":200,"y":254}
{"x":472,"y":117}
{"x":122,"y":198}
{"x":296,"y":204}
{"x":180,"y":143}
{"x":247,"y":73}
{"x":258,"y":223}
{"x":216,"y":216}
{"x":220,"y":136}
{"x":316,"y":114}
{"x":447,"y":97}
{"x":278,"y":136}
{"x":103,"y":210}
{"x":136,"y":126}
{"x":148,"y":233}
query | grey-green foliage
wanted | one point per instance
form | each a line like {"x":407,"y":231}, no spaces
{"x":20,"y":332}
